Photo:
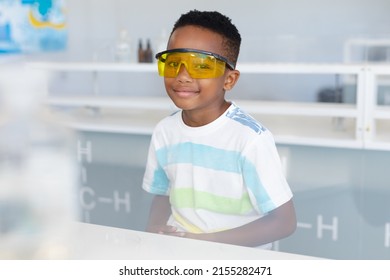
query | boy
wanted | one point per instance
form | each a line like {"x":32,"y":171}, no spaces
{"x":213,"y":169}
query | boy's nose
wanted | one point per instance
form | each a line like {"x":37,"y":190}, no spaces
{"x":183,"y":71}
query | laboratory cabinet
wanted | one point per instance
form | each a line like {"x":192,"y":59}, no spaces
{"x":334,"y":144}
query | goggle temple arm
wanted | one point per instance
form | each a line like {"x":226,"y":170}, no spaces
{"x":183,"y":50}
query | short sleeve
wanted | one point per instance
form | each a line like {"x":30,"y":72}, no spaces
{"x":263,"y":174}
{"x":155,"y":180}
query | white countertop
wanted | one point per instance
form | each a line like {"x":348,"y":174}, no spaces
{"x":95,"y":242}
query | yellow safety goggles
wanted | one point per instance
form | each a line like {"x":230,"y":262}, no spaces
{"x":199,"y":64}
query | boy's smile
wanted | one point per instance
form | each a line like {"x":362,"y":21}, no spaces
{"x":185,"y":92}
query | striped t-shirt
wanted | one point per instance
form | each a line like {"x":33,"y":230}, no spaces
{"x":218,"y":176}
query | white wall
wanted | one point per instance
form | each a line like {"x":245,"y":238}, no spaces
{"x":277,"y":30}
{"x":272,"y":31}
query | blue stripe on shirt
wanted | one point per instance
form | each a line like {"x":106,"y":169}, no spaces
{"x":210,"y":158}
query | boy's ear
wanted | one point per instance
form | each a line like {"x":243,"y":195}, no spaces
{"x":231,"y":79}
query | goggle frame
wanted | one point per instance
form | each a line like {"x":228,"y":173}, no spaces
{"x":161,"y":62}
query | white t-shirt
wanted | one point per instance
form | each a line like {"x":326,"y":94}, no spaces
{"x":218,"y":176}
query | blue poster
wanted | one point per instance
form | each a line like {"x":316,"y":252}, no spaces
{"x":28,"y":26}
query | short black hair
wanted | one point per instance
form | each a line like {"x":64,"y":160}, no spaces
{"x":217,"y":23}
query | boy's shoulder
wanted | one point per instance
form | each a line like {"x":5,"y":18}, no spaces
{"x":236,"y":114}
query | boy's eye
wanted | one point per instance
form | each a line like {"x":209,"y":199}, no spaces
{"x":173,"y":64}
{"x":202,"y":66}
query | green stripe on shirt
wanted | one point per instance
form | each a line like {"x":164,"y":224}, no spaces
{"x":188,"y":198}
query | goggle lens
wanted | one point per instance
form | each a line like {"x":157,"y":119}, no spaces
{"x":199,"y":64}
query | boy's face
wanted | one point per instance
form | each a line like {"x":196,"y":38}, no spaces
{"x":200,"y":95}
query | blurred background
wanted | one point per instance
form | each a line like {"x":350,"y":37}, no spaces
{"x":316,"y":73}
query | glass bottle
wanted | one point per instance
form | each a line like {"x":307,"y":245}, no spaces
{"x":148,"y":52}
{"x":141,"y":52}
{"x":123,"y":47}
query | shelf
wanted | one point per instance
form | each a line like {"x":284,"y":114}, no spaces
{"x":150,"y":103}
{"x":378,"y":145}
{"x":312,"y":131}
{"x":298,"y":108}
{"x":265,"y":68}
{"x":95,"y":66}
{"x":360,"y":125}
{"x":140,"y":122}
{"x":379,"y":69}
{"x":298,"y":68}
{"x":250,"y":106}
{"x":140,"y":115}
{"x":382,"y":112}
{"x":111,"y":125}
{"x":318,"y":142}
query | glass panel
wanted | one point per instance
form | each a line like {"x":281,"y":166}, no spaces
{"x":383,"y":90}
{"x":112,"y":168}
{"x":342,"y":202}
{"x":296,"y":87}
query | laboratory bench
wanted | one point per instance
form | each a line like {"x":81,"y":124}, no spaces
{"x":95,"y":242}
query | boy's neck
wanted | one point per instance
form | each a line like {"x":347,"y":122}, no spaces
{"x":201,"y":117}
